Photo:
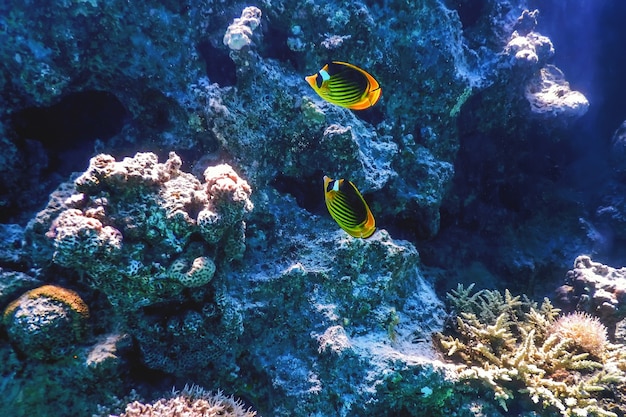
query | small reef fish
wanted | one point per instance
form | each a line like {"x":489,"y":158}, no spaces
{"x":348,"y":208}
{"x":345,"y":85}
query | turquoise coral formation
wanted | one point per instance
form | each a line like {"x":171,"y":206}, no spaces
{"x":134,"y":229}
{"x":268,"y":300}
{"x":121,"y":208}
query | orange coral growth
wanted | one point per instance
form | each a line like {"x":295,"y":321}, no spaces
{"x":53,"y":292}
{"x":62,"y":295}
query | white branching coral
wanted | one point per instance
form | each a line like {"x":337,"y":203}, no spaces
{"x":516,"y":348}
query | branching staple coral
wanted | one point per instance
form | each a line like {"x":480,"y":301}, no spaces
{"x":525,"y":351}
{"x":190,"y":402}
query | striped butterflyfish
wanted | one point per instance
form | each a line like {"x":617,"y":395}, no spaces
{"x":345,"y":85}
{"x":347,"y":206}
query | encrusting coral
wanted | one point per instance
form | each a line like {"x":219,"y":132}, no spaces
{"x":547,"y":91}
{"x":129,"y":226}
{"x":192,"y":401}
{"x":519,"y":349}
{"x":239,"y":33}
{"x":46,"y":322}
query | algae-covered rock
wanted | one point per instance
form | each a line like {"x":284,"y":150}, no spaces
{"x":14,"y":283}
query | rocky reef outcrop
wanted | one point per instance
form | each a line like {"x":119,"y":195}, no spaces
{"x":597,"y":289}
{"x":167,"y":254}
{"x":196,"y":236}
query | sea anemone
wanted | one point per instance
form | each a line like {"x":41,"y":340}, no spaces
{"x":583,"y":330}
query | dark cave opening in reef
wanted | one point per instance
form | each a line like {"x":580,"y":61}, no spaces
{"x":219,"y":67}
{"x":68,"y":129}
{"x":54,"y":141}
{"x":307,"y":190}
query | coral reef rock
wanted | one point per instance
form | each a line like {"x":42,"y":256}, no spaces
{"x":128,"y":226}
{"x":550,"y":95}
{"x":239,"y":33}
{"x":597,"y":289}
{"x":46,"y":322}
{"x":14,"y":283}
{"x":547,"y":91}
{"x":191,"y":402}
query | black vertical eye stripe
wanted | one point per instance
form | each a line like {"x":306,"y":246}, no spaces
{"x":319,"y":81}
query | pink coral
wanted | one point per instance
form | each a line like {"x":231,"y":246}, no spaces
{"x":79,"y":239}
{"x":226,"y":187}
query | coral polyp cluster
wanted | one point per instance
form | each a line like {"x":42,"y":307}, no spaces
{"x":597,"y":289}
{"x":46,"y":322}
{"x":192,"y":401}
